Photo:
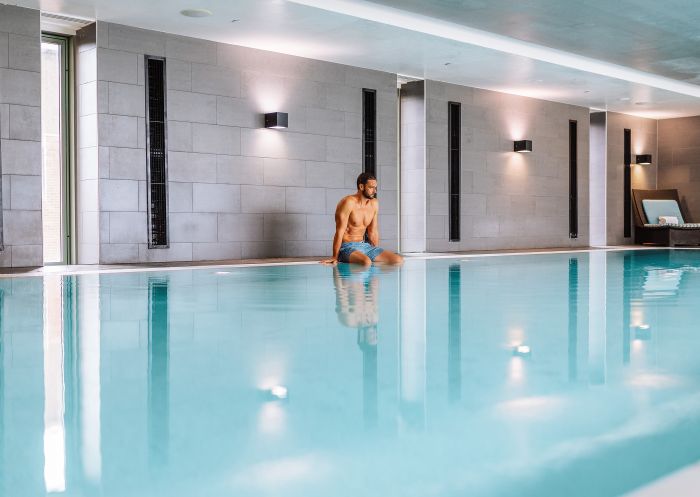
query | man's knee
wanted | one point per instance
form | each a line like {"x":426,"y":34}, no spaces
{"x":388,"y":257}
{"x":395,"y":258}
{"x":366,"y":261}
{"x":360,"y":258}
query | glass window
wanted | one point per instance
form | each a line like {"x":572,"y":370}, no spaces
{"x":54,"y":94}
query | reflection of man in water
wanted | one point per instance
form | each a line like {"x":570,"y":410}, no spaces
{"x":357,"y":306}
{"x":356,"y":294}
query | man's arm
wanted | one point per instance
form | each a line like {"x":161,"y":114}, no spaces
{"x":373,"y":228}
{"x":342,"y":214}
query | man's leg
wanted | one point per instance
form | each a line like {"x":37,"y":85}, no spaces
{"x":358,"y":257}
{"x":388,"y":257}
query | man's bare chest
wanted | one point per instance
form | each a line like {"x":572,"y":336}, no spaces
{"x":361,"y":216}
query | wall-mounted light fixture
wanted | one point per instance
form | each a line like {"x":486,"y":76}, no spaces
{"x":276,"y":120}
{"x":522,"y":146}
{"x":643,"y":160}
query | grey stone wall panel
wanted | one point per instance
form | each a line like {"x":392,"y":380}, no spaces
{"x":20,"y":135}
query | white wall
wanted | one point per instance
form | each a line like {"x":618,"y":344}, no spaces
{"x":86,"y":139}
{"x":413,"y":204}
{"x":598,"y":184}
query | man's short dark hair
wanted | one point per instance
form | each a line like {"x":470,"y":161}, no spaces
{"x":363,"y":178}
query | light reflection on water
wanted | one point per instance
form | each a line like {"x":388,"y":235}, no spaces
{"x":548,"y":375}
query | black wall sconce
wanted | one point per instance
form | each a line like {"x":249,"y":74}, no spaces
{"x":277,"y":120}
{"x":522,"y":146}
{"x":643,"y":160}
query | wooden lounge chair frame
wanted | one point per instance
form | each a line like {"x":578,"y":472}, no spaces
{"x":669,"y":235}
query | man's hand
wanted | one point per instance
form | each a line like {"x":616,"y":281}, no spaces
{"x":332,"y":262}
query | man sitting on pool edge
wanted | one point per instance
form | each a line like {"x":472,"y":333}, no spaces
{"x":356,"y":215}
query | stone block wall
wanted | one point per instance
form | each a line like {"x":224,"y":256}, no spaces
{"x":236,"y":189}
{"x":509,"y":200}
{"x":679,"y":161}
{"x":20,"y":137}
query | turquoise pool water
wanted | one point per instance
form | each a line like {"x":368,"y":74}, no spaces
{"x":540,"y":375}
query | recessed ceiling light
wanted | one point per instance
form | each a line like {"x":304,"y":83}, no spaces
{"x":625,"y":99}
{"x":196,"y":12}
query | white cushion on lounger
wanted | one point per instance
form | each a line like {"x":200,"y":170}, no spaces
{"x":668,"y":220}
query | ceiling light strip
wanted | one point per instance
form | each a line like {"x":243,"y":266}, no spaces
{"x":443,"y":29}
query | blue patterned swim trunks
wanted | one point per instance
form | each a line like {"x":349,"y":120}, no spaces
{"x":348,"y":248}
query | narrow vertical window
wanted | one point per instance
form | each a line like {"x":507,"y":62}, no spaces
{"x":573,"y":180}
{"x":627,"y":195}
{"x":156,"y":153}
{"x":56,"y":175}
{"x":369,"y":131}
{"x":454,"y":167}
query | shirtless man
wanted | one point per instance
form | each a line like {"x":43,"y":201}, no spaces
{"x":355,"y":215}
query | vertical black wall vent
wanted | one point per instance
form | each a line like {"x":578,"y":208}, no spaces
{"x":156,"y":152}
{"x":627,"y":195}
{"x":573,"y":179}
{"x":454,"y":167}
{"x":369,"y":131}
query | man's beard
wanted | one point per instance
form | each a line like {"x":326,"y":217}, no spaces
{"x":368,"y":196}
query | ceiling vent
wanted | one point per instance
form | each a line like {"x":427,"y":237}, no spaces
{"x":62,"y":24}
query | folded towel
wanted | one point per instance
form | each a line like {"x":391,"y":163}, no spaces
{"x":668,"y":220}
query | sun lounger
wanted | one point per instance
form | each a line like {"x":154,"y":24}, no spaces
{"x":649,"y":206}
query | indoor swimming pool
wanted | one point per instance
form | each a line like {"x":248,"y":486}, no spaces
{"x":567,"y":374}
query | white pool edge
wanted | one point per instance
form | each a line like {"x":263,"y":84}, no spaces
{"x":66,"y":270}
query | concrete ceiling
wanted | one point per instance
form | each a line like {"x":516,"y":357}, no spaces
{"x":636,"y":56}
{"x":653,"y":36}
